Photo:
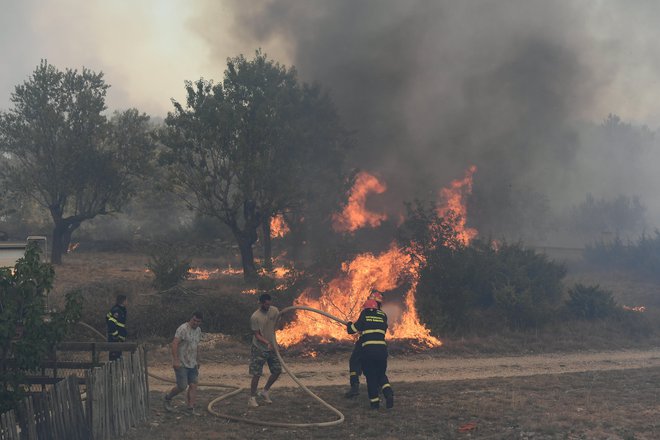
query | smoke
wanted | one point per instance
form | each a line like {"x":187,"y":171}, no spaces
{"x":432,"y":87}
{"x":429,"y":87}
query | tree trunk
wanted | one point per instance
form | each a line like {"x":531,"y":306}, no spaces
{"x":268,"y":253}
{"x":66,"y":237}
{"x":296,"y":237}
{"x":58,"y":236}
{"x":247,"y":259}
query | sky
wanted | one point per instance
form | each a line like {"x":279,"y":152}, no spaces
{"x":147,"y":48}
{"x":430,"y":87}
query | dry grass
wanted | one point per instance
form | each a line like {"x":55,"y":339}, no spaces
{"x":617,"y":405}
{"x":153,"y":316}
{"x":603,"y":405}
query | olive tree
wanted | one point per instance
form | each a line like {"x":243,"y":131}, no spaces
{"x":62,"y":151}
{"x":242,"y":150}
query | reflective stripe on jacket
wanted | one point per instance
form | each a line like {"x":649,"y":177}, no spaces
{"x":372,"y":324}
{"x":116,"y":323}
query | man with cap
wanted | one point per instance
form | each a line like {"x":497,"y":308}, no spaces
{"x":372,"y":326}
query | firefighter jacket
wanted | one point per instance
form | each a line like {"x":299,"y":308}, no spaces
{"x":116,"y":321}
{"x":372,"y":325}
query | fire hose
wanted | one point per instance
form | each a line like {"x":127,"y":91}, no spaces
{"x":237,"y":390}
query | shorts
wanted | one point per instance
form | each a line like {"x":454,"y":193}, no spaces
{"x":186,"y":376}
{"x":259,"y":357}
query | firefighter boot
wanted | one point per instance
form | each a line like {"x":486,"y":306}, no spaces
{"x":354,"y":391}
{"x":355,"y":388}
{"x":389,"y":397}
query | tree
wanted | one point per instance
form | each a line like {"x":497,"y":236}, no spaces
{"x":27,"y":333}
{"x":243,"y":149}
{"x":64,"y":153}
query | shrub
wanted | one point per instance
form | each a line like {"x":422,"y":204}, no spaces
{"x":590,"y":302}
{"x":641,"y":256}
{"x":514,"y":286}
{"x":26,"y":336}
{"x":622,"y":214}
{"x":168,"y":267}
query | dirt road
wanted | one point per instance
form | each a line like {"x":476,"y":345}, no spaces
{"x":425,"y":368}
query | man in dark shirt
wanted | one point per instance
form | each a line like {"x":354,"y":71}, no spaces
{"x":372,"y":326}
{"x":355,"y":361}
{"x":116,"y":322}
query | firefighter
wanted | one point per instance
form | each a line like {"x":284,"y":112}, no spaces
{"x":116,"y":322}
{"x":372,"y":325}
{"x":354,"y":362}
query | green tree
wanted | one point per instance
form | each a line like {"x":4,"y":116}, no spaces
{"x":245,"y":149}
{"x":65,"y":154}
{"x":27,"y":333}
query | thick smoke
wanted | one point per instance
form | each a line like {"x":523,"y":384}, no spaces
{"x":432,"y":87}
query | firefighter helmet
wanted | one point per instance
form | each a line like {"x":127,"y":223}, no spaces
{"x":370,"y":304}
{"x":376,"y":296}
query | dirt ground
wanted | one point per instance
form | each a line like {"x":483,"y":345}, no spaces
{"x":590,"y":395}
{"x":420,"y":367}
{"x":602,"y":404}
{"x":596,"y":394}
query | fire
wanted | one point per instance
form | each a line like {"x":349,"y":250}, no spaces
{"x":453,"y":205}
{"x":344,"y":295}
{"x":196,"y":273}
{"x":392,"y":272}
{"x":355,"y":215}
{"x":278,"y":227}
{"x":72,"y":247}
{"x":231,"y":271}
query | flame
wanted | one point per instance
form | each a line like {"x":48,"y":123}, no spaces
{"x":231,"y":271}
{"x":344,"y":295}
{"x":452,"y":205}
{"x":72,"y":247}
{"x":355,"y":215}
{"x":278,"y":226}
{"x":196,"y":273}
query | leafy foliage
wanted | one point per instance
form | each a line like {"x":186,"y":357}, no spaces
{"x":590,"y":302}
{"x":622,"y":214}
{"x":168,"y":267}
{"x":27,"y":332}
{"x":62,"y":152}
{"x":248,"y":148}
{"x":641,"y":256}
{"x":462,"y":285}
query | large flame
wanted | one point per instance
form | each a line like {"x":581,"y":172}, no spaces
{"x":278,"y":226}
{"x":344,"y":295}
{"x":452,"y":204}
{"x":355,"y":215}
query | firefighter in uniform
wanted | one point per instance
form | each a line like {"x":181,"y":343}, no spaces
{"x":355,"y":362}
{"x":116,"y":322}
{"x":372,"y":325}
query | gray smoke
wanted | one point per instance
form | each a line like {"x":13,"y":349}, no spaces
{"x":431,"y":87}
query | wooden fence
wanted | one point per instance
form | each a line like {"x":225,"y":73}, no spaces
{"x":116,"y":398}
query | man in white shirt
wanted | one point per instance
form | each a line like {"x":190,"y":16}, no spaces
{"x":184,"y":361}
